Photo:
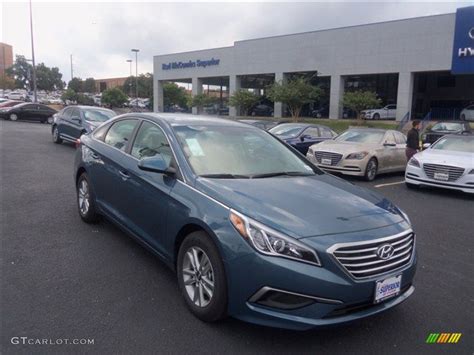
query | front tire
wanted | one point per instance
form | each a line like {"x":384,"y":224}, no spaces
{"x":376,"y":116}
{"x":371,"y":169}
{"x":56,"y":138}
{"x":201,"y":277}
{"x":86,"y":200}
{"x":13,"y":117}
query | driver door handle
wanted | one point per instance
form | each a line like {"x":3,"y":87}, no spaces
{"x":125,"y":175}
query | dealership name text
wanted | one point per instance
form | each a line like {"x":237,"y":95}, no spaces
{"x":190,"y":64}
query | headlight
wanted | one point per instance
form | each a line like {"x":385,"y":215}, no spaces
{"x":270,"y":242}
{"x":414,"y":162}
{"x":358,"y":155}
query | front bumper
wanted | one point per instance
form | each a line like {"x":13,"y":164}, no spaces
{"x":352,"y":167}
{"x":337,"y":297}
{"x":416,"y":176}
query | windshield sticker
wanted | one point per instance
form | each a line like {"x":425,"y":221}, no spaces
{"x":194,"y":147}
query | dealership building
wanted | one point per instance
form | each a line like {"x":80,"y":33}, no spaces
{"x":423,"y":65}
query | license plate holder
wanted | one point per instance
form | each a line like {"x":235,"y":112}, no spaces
{"x":387,"y":288}
{"x":441,"y":176}
{"x":326,"y":161}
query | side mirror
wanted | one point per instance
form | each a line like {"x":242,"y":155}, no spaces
{"x":426,"y":145}
{"x":302,"y":138}
{"x":156,"y":164}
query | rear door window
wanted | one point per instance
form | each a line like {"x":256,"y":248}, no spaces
{"x":120,"y":134}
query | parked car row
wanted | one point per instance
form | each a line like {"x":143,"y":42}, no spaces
{"x":233,"y":199}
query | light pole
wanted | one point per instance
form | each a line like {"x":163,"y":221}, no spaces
{"x":33,"y":56}
{"x":136,"y":75}
{"x":130,"y":83}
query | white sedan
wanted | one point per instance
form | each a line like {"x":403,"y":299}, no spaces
{"x":448,"y":163}
{"x":467,"y":114}
{"x":385,"y":113}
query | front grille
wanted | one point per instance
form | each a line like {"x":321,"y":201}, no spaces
{"x":360,"y":260}
{"x":453,"y":172}
{"x":335,"y":157}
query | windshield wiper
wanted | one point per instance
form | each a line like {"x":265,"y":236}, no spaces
{"x":224,"y":176}
{"x":281,"y":173}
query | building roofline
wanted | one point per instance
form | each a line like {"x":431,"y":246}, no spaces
{"x":195,"y":50}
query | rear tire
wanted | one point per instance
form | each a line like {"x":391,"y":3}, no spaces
{"x":56,"y":138}
{"x":201,"y":277}
{"x":376,"y":116}
{"x":371,"y":169}
{"x":13,"y":117}
{"x":86,"y":200}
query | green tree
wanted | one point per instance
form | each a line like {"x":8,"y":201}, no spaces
{"x":201,"y":100}
{"x":360,"y":100}
{"x":89,"y":85}
{"x":295,"y":93}
{"x":69,"y":95}
{"x":20,"y":71}
{"x":145,"y":86}
{"x":175,"y":95}
{"x":85,"y":100}
{"x":48,"y":79}
{"x":114,"y":97}
{"x":7,"y":82}
{"x":75,"y":84}
{"x":244,"y":100}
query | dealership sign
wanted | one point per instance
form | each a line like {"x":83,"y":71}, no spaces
{"x":190,"y":64}
{"x":463,"y":48}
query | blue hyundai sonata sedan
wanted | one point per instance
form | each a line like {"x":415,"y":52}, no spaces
{"x":252,"y":229}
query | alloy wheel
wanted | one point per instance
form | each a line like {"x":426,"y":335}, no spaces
{"x":83,"y":197}
{"x":371,"y":169}
{"x":13,"y":117}
{"x":198,"y":276}
{"x":55,"y":134}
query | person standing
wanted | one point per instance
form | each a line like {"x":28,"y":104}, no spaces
{"x":413,"y":139}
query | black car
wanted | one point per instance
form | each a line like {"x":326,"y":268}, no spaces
{"x":301,"y":136}
{"x":262,"y":124}
{"x":262,"y":110}
{"x":73,"y":121}
{"x":320,"y":112}
{"x":27,"y":111}
{"x":445,"y":127}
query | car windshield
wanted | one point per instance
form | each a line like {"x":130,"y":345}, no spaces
{"x":238,"y":152}
{"x":458,"y":144}
{"x":287,"y":130}
{"x":447,"y":126}
{"x":360,"y":136}
{"x":98,"y":115}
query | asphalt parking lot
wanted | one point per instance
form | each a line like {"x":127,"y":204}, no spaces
{"x":62,"y":278}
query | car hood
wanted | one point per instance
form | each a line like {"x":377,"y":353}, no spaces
{"x":343,"y":147}
{"x":444,"y":157}
{"x":304,"y":206}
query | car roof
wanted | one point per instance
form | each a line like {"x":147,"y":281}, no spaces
{"x":452,"y":121}
{"x":182,"y":119}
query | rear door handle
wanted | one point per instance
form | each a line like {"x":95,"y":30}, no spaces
{"x":95,"y":156}
{"x":124,"y":175}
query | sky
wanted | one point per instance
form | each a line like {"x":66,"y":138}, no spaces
{"x":100,"y":35}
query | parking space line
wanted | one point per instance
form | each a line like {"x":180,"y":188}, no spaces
{"x":390,"y":184}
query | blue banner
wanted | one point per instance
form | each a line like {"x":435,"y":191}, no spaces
{"x":463,"y":48}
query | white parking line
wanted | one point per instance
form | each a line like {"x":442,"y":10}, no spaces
{"x":390,"y":184}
